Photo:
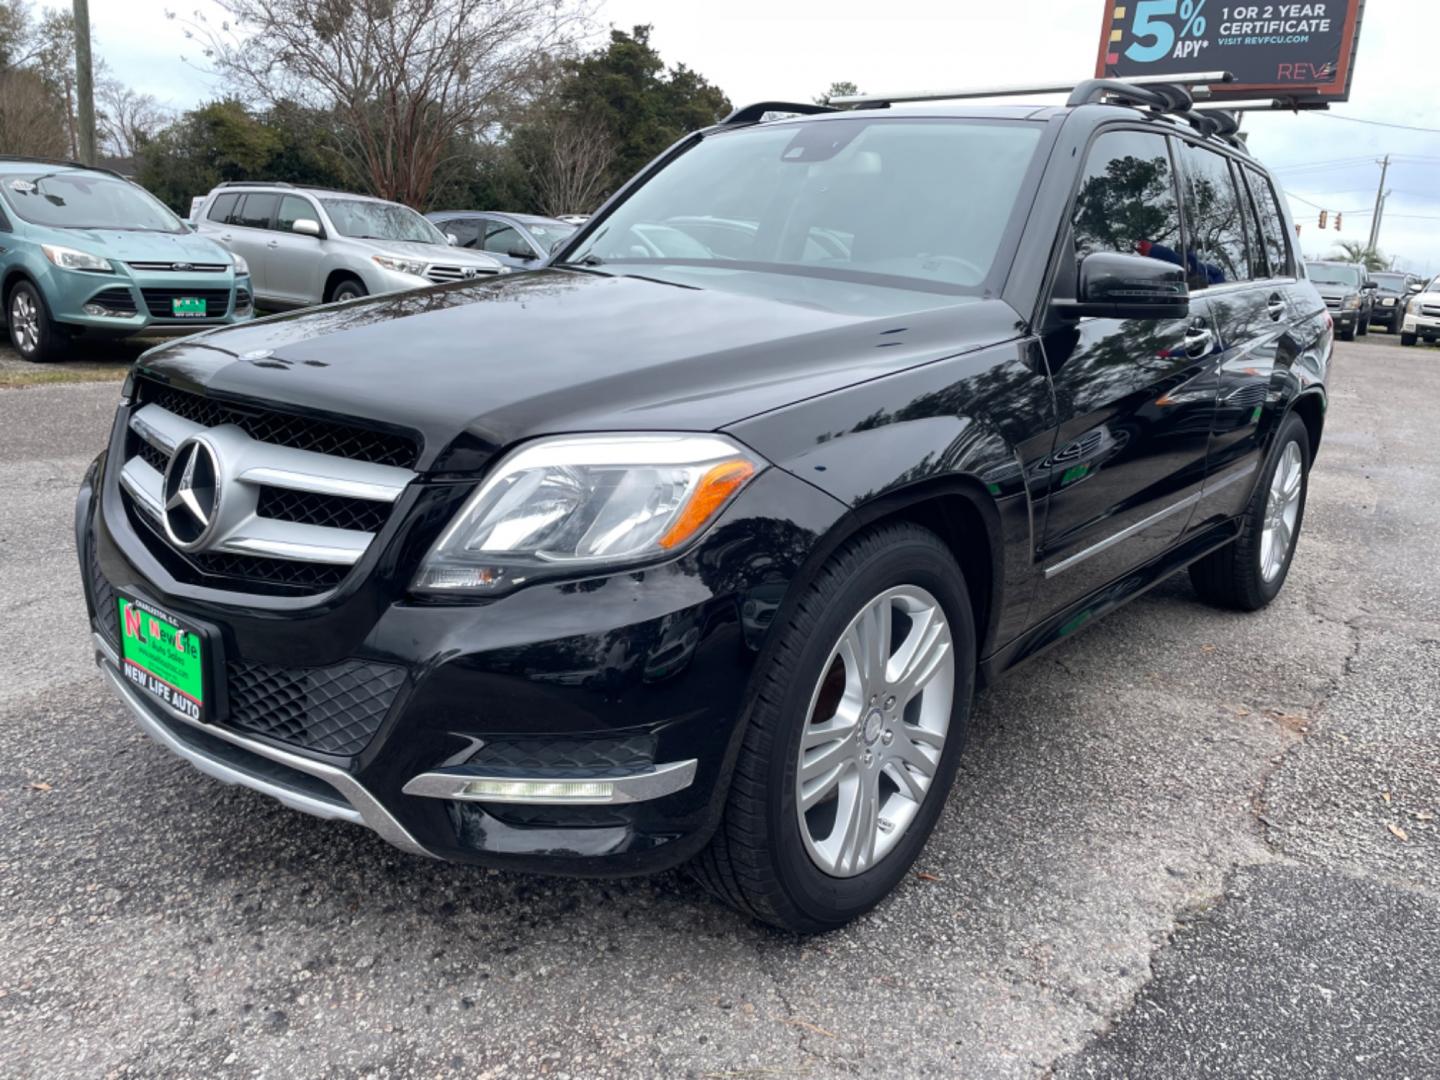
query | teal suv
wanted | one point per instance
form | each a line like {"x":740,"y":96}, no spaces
{"x":86,"y":253}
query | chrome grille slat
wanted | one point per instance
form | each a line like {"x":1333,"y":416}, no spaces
{"x":251,"y":468}
{"x":170,"y":267}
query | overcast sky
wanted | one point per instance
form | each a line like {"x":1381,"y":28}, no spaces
{"x":792,"y":49}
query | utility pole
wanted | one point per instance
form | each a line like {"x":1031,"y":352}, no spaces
{"x":1379,"y":197}
{"x":84,"y":82}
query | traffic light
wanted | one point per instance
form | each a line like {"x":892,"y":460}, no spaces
{"x":1323,"y":215}
{"x":1337,"y":220}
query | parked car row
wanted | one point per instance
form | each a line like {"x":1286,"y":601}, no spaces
{"x":85,"y":252}
{"x":1422,"y":314}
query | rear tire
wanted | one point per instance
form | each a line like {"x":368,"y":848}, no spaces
{"x":1364,"y":328}
{"x":1408,"y":339}
{"x":1247,"y":573}
{"x":32,"y":333}
{"x":1347,"y":334}
{"x":813,"y":701}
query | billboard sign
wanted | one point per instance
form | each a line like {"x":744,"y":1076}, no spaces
{"x":1303,"y":51}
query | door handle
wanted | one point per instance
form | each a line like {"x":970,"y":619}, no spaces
{"x":1275,"y":305}
{"x":273,"y":244}
{"x":225,"y":238}
{"x":1199,"y":340}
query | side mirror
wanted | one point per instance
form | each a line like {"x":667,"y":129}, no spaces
{"x":1370,"y":285}
{"x":1415,"y":286}
{"x":558,"y":244}
{"x":452,"y":239}
{"x":306,"y":227}
{"x":520,"y":251}
{"x":1112,"y":285}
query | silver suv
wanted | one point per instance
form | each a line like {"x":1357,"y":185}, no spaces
{"x":311,"y":246}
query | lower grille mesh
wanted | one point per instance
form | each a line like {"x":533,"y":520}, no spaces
{"x":334,"y":710}
{"x":103,"y":597}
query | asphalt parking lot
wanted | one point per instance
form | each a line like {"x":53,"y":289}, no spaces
{"x":1187,"y":843}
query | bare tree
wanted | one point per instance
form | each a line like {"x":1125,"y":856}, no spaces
{"x":31,"y":119}
{"x":570,"y":166}
{"x":127,"y":120}
{"x":403,"y":78}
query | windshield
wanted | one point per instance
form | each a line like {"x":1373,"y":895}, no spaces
{"x":1390,"y":282}
{"x":860,"y":215}
{"x":1323,"y":274}
{"x":86,"y":200}
{"x":548,"y":232}
{"x":361,"y":219}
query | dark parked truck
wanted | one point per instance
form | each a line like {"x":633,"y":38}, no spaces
{"x":659,"y":556}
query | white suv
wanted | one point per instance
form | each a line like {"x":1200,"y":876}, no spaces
{"x":310,"y":246}
{"x":1422,"y":315}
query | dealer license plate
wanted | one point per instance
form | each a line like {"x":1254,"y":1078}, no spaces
{"x":162,"y":657}
{"x":188,"y":307}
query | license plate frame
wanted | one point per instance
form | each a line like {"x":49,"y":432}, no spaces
{"x":189,"y":307}
{"x":166,"y":658}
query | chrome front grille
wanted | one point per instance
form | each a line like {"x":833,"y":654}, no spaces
{"x":443,"y":275}
{"x":1431,"y":310}
{"x":287,"y":518}
{"x":180,"y":267}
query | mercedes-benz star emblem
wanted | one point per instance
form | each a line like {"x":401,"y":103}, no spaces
{"x":192,"y":493}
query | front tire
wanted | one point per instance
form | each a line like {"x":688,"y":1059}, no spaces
{"x":32,"y":334}
{"x":853,"y":736}
{"x":347,"y":289}
{"x":1408,"y":339}
{"x":1348,"y":333}
{"x":1247,"y":573}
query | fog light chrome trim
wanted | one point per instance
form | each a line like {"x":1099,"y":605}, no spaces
{"x":573,"y":790}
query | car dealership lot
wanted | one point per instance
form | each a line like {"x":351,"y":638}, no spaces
{"x":1185,"y":843}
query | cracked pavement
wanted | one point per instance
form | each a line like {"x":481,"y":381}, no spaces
{"x":1187,"y":843}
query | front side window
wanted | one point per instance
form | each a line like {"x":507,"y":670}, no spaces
{"x":504,"y":239}
{"x":1126,"y":202}
{"x":292,"y":209}
{"x":86,"y":200}
{"x":858,"y":214}
{"x":363,"y":219}
{"x":1215,"y":216}
{"x":1272,"y":224}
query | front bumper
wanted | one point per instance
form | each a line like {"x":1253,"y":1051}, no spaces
{"x":1426,"y":325}
{"x":632,"y":686}
{"x":118,"y":306}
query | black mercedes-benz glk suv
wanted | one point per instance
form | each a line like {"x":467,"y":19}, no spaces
{"x":695,"y":545}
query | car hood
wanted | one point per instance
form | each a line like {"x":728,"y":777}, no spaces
{"x":128,"y":246}
{"x":1336,"y":292}
{"x":441,"y":253}
{"x":474,"y":367}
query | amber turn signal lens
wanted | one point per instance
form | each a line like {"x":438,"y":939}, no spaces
{"x":715,"y":487}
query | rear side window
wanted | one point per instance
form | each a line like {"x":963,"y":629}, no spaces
{"x":292,"y":209}
{"x":465,"y":230}
{"x":1215,"y":214}
{"x":1272,"y":224}
{"x":1127,"y":200}
{"x":503,"y":239}
{"x":255,"y":211}
{"x":223,"y":207}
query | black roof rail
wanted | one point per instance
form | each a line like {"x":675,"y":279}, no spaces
{"x":255,"y":183}
{"x":753,"y":114}
{"x":1093,"y":91}
{"x":67,"y":163}
{"x":1085,"y":89}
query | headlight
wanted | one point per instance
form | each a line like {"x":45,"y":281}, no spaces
{"x":72,"y":259}
{"x":583,"y":502}
{"x":1351,"y":302}
{"x":241,"y":266}
{"x":1387,"y":301}
{"x":399,"y":265}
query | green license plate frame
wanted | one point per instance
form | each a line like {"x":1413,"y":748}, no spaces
{"x":164,"y":657}
{"x":188,"y":307}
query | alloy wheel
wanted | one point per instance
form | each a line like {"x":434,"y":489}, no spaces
{"x":25,"y":321}
{"x":875,"y":731}
{"x":1282,"y":509}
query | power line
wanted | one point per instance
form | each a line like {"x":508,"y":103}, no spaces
{"x":1378,"y":123}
